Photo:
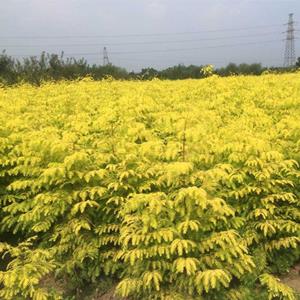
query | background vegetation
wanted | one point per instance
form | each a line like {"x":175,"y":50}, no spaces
{"x":55,"y":67}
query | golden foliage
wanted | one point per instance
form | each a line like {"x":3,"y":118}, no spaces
{"x":172,"y":186}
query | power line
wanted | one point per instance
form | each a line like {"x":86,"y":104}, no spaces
{"x":197,"y":48}
{"x":166,"y":50}
{"x":139,"y":34}
{"x":144,"y":42}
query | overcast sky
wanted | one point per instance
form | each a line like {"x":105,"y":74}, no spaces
{"x":142,"y":33}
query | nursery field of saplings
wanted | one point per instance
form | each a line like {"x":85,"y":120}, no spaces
{"x":168,"y":189}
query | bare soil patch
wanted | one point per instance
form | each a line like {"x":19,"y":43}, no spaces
{"x":292,"y":279}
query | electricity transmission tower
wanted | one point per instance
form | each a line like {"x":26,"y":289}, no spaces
{"x":105,"y":57}
{"x":290,"y":54}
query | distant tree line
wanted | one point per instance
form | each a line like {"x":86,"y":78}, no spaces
{"x":36,"y":70}
{"x":55,"y":67}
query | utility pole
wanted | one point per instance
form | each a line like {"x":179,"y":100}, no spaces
{"x":105,"y":57}
{"x":290,"y":53}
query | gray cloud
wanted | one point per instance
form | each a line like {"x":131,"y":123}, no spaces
{"x":23,"y":18}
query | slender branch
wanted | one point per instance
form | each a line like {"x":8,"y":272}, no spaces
{"x":184,"y":142}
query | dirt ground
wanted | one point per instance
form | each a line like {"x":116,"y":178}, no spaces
{"x":293,"y":278}
{"x":107,"y":296}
